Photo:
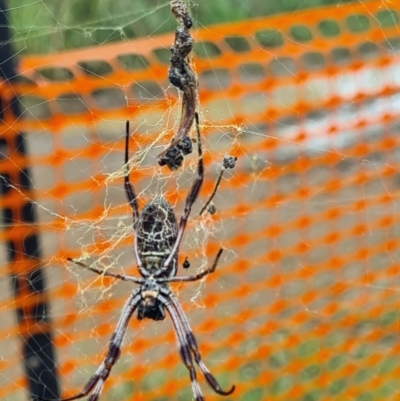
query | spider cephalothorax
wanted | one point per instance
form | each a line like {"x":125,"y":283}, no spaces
{"x":149,"y":306}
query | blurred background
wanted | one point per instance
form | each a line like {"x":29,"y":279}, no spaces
{"x":51,"y":26}
{"x":305,"y":302}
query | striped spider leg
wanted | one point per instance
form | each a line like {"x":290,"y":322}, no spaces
{"x":156,"y":246}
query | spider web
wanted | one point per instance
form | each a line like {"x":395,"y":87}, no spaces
{"x":305,"y":302}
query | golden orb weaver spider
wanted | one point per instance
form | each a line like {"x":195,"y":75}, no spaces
{"x":156,"y":247}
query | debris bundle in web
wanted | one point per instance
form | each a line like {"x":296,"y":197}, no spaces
{"x":182,"y":76}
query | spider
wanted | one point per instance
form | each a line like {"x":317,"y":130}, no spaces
{"x":156,"y":246}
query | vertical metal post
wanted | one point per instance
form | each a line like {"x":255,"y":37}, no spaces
{"x":18,"y":221}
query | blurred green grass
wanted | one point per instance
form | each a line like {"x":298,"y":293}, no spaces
{"x":47,"y":26}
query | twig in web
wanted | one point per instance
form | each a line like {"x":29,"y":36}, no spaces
{"x":227,"y":162}
{"x":182,"y":76}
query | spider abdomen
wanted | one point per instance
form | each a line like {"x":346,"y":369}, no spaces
{"x":156,"y":230}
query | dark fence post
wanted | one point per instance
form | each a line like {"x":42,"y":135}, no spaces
{"x":19,"y":224}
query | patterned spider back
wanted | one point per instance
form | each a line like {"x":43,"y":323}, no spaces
{"x":157,"y":230}
{"x":305,"y":302}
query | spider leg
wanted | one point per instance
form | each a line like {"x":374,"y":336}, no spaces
{"x":130,"y":193}
{"x":221,"y":173}
{"x":106,"y":273}
{"x":191,"y":342}
{"x":132,"y":199}
{"x":190,"y":199}
{"x":184,"y":349}
{"x":228,"y":162}
{"x":193,"y":277}
{"x":95,"y":384}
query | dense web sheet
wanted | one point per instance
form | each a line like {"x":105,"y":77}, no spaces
{"x":305,"y":302}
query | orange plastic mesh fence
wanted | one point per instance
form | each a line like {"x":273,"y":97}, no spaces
{"x":305,"y":302}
